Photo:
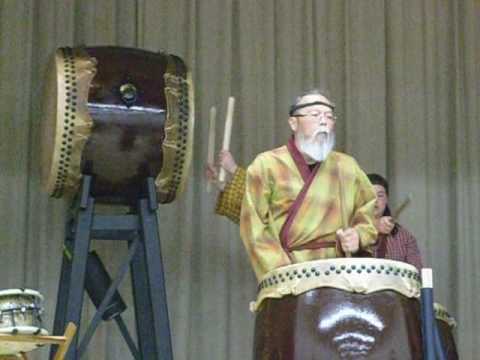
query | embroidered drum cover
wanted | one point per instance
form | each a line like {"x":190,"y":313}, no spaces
{"x":357,"y":275}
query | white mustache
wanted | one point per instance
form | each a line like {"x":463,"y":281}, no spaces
{"x":323,"y":129}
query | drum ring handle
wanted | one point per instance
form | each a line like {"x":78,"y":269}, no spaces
{"x":128,"y":93}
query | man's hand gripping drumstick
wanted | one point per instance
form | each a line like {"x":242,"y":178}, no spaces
{"x":211,"y":172}
{"x":227,"y":134}
{"x":225,"y":159}
{"x":385,"y":224}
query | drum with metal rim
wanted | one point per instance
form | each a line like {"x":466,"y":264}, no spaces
{"x":355,"y":308}
{"x":120,"y":115}
{"x":20,"y":313}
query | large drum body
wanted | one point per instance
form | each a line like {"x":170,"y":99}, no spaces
{"x":339,"y":309}
{"x":120,"y":115}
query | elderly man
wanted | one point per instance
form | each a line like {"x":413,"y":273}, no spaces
{"x":304,"y":201}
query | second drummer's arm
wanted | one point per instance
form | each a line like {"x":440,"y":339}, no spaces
{"x":363,"y":216}
{"x":413,"y":253}
{"x":229,"y":201}
{"x":230,"y":198}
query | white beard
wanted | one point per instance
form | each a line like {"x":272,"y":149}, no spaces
{"x":318,"y":146}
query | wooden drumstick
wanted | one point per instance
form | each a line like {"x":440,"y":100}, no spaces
{"x":227,"y":134}
{"x":343,"y":214}
{"x":211,"y":142}
{"x":396,"y":213}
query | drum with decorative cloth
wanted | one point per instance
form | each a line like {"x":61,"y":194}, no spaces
{"x":446,"y":324}
{"x":355,"y":308}
{"x":121,"y":115}
{"x":20,"y":313}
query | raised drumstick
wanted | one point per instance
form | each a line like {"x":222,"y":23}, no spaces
{"x":227,"y":134}
{"x":396,"y":213}
{"x":211,"y":142}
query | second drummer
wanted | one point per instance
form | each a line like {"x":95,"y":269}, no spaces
{"x":394,"y":241}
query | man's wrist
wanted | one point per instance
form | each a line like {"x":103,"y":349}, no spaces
{"x":233,"y":169}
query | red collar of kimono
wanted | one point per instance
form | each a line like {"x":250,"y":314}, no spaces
{"x":308,"y":176}
{"x":299,"y":160}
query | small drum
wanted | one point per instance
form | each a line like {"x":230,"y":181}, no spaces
{"x":120,"y":115}
{"x":356,"y":308}
{"x":20,"y":313}
{"x":446,"y":324}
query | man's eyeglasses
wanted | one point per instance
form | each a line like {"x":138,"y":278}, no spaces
{"x":326,"y":115}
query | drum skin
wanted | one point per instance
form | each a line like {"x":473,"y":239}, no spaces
{"x":330,"y":323}
{"x":120,"y":115}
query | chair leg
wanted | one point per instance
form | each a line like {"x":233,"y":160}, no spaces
{"x":69,"y":334}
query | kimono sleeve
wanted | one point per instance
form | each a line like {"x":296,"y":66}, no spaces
{"x":261,"y":241}
{"x":363,"y":215}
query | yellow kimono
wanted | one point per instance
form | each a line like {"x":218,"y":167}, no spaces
{"x":290,"y":213}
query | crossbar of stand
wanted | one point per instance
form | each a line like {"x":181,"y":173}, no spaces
{"x":140,"y":232}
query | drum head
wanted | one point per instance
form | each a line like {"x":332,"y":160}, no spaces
{"x":66,"y":124}
{"x":25,"y":292}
